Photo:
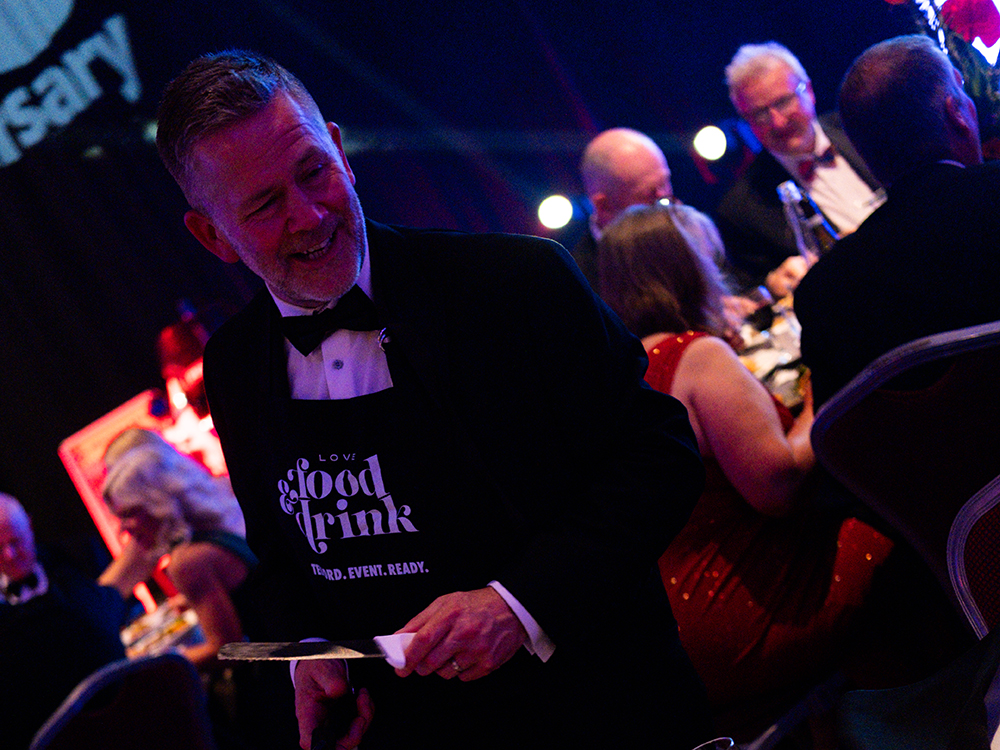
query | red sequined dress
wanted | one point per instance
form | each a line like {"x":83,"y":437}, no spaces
{"x":762,"y":603}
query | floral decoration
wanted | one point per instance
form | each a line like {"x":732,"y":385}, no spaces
{"x":956,"y":25}
{"x":972,"y":18}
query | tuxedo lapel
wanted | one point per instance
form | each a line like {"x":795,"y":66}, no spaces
{"x":765,"y":173}
{"x":275,"y":389}
{"x":262,"y":384}
{"x":416,"y":319}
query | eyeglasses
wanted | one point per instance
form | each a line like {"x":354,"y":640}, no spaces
{"x":783,"y":105}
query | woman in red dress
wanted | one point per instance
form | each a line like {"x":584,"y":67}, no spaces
{"x":764,"y":584}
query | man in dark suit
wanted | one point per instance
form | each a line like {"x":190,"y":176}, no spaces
{"x":472,"y":458}
{"x":772,"y":92}
{"x":927,"y":260}
{"x":56,"y":627}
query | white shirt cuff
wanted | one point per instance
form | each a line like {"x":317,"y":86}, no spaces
{"x":538,"y":643}
{"x":295,"y":662}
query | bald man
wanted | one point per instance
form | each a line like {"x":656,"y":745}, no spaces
{"x":620,"y":168}
{"x":56,"y":627}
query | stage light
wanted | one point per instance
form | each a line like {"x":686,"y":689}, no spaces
{"x":710,"y":143}
{"x":555,"y":212}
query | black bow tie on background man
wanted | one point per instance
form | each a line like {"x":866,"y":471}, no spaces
{"x":354,"y":311}
{"x":807,"y":167}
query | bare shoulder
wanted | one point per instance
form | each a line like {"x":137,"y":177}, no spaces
{"x":706,"y":354}
{"x":197,"y":562}
{"x":710,"y":372}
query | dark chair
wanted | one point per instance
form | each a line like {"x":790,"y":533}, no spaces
{"x":917,"y":433}
{"x":974,"y":558}
{"x":152,"y":703}
{"x":820,"y":700}
{"x":947,"y":708}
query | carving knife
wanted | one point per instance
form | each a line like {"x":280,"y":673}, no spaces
{"x":388,"y":647}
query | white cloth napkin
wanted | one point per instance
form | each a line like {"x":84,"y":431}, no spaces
{"x":394,"y":647}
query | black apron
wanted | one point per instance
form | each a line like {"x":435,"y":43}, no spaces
{"x":385,"y":512}
{"x":388,"y":505}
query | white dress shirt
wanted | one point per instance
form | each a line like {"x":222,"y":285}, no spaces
{"x":349,"y":364}
{"x":841,"y":195}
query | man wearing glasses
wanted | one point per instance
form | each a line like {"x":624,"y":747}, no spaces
{"x":772,"y":92}
{"x":620,"y":167}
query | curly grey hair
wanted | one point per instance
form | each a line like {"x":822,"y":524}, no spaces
{"x":145,"y":471}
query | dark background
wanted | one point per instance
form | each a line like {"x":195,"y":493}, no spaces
{"x":455,"y":114}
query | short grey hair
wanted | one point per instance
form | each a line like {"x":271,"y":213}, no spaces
{"x":752,"y":59}
{"x":213,"y":92}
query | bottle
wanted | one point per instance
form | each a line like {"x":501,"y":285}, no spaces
{"x":814,"y":235}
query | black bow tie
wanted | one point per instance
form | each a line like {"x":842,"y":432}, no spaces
{"x":807,"y":167}
{"x":14,"y":588}
{"x":354,"y":311}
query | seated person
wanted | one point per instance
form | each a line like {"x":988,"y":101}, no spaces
{"x":56,"y":627}
{"x":772,"y":92}
{"x":620,"y":167}
{"x":926,"y":261}
{"x":168,"y":502}
{"x":763,"y":583}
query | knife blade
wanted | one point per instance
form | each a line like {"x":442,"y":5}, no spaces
{"x":310,"y":650}
{"x":390,"y":647}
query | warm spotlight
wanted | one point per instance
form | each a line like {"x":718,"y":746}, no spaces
{"x":710,"y":143}
{"x":555,"y":212}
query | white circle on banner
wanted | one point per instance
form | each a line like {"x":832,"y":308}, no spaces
{"x":27,"y":27}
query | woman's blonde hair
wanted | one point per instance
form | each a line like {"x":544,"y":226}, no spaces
{"x":144,"y":471}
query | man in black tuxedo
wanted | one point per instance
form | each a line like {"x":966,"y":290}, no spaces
{"x":927,"y":260}
{"x":772,"y":92}
{"x":56,"y":627}
{"x":471,"y":458}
